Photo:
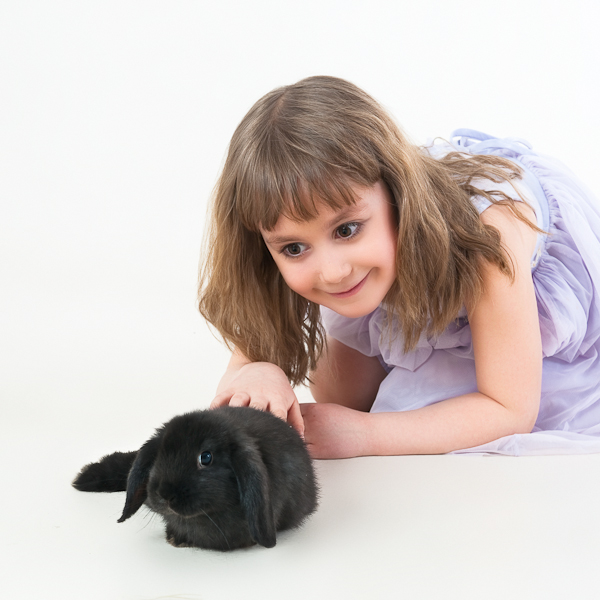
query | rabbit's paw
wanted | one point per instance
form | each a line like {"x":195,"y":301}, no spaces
{"x":178,"y":541}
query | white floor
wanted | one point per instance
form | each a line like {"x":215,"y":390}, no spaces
{"x":114,"y":122}
{"x":399,"y":527}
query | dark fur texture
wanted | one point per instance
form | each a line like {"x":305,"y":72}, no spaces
{"x":260,"y":479}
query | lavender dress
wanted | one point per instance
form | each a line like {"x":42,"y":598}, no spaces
{"x":566,"y":276}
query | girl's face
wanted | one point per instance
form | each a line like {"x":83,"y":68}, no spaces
{"x":343,"y":259}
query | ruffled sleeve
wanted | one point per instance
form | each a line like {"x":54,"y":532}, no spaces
{"x":359,"y":334}
{"x":369,"y":336}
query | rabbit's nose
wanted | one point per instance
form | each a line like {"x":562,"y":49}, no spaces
{"x":168,"y":492}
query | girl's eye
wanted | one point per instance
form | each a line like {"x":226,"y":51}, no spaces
{"x":344,"y":231}
{"x":205,"y":458}
{"x":347,"y":230}
{"x":293,"y":250}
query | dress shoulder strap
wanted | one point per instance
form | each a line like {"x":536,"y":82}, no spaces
{"x":477,"y":142}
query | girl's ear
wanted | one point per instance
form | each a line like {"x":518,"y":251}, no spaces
{"x":254,"y":487}
{"x":139,"y":474}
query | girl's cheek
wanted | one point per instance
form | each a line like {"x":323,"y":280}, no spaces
{"x":292,"y":276}
{"x":301,"y":280}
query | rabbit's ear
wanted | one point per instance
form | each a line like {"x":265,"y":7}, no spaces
{"x":109,"y":474}
{"x":255,"y":497}
{"x":139,"y":474}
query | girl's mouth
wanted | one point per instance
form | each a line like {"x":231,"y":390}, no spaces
{"x":352,"y":290}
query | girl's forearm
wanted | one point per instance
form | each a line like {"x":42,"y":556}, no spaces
{"x":454,"y":424}
{"x":236,"y":362}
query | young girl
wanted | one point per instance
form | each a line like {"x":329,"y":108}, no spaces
{"x":437,"y":299}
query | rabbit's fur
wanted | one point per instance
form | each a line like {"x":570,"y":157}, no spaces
{"x":221,"y":479}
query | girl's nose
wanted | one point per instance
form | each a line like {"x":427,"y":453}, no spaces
{"x":334,"y":270}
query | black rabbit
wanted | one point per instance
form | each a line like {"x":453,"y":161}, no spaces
{"x":221,"y":479}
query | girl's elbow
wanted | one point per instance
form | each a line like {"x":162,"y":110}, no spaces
{"x":520,"y":416}
{"x":525,"y":425}
{"x":525,"y":419}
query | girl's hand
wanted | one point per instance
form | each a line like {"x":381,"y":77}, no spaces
{"x":334,"y":431}
{"x":263,"y":386}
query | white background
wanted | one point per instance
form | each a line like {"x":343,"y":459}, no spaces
{"x":114,"y":122}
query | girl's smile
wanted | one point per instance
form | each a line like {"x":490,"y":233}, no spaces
{"x":343,"y":259}
{"x":352,"y":290}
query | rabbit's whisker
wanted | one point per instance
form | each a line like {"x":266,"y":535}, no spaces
{"x":220,"y":530}
{"x":149,"y":517}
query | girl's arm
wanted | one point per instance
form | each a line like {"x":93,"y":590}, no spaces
{"x":346,"y":376}
{"x":259,"y":385}
{"x":508,"y":359}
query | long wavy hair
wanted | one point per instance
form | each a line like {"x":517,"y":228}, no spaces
{"x":309,"y":143}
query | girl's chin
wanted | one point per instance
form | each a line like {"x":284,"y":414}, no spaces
{"x":351,"y":310}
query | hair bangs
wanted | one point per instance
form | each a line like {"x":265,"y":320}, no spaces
{"x":291,"y":187}
{"x":305,"y":153}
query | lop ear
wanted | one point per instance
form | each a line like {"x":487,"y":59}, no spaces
{"x":137,"y":480}
{"x":253,"y":484}
{"x":109,"y":474}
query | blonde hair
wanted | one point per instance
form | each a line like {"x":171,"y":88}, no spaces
{"x":311,"y":142}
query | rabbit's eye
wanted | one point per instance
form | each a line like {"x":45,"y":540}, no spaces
{"x":205,"y":459}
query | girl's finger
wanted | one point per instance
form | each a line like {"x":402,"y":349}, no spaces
{"x":294,"y":418}
{"x":220,"y":399}
{"x":258,"y":405}
{"x":279,"y":412}
{"x":240,"y":399}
